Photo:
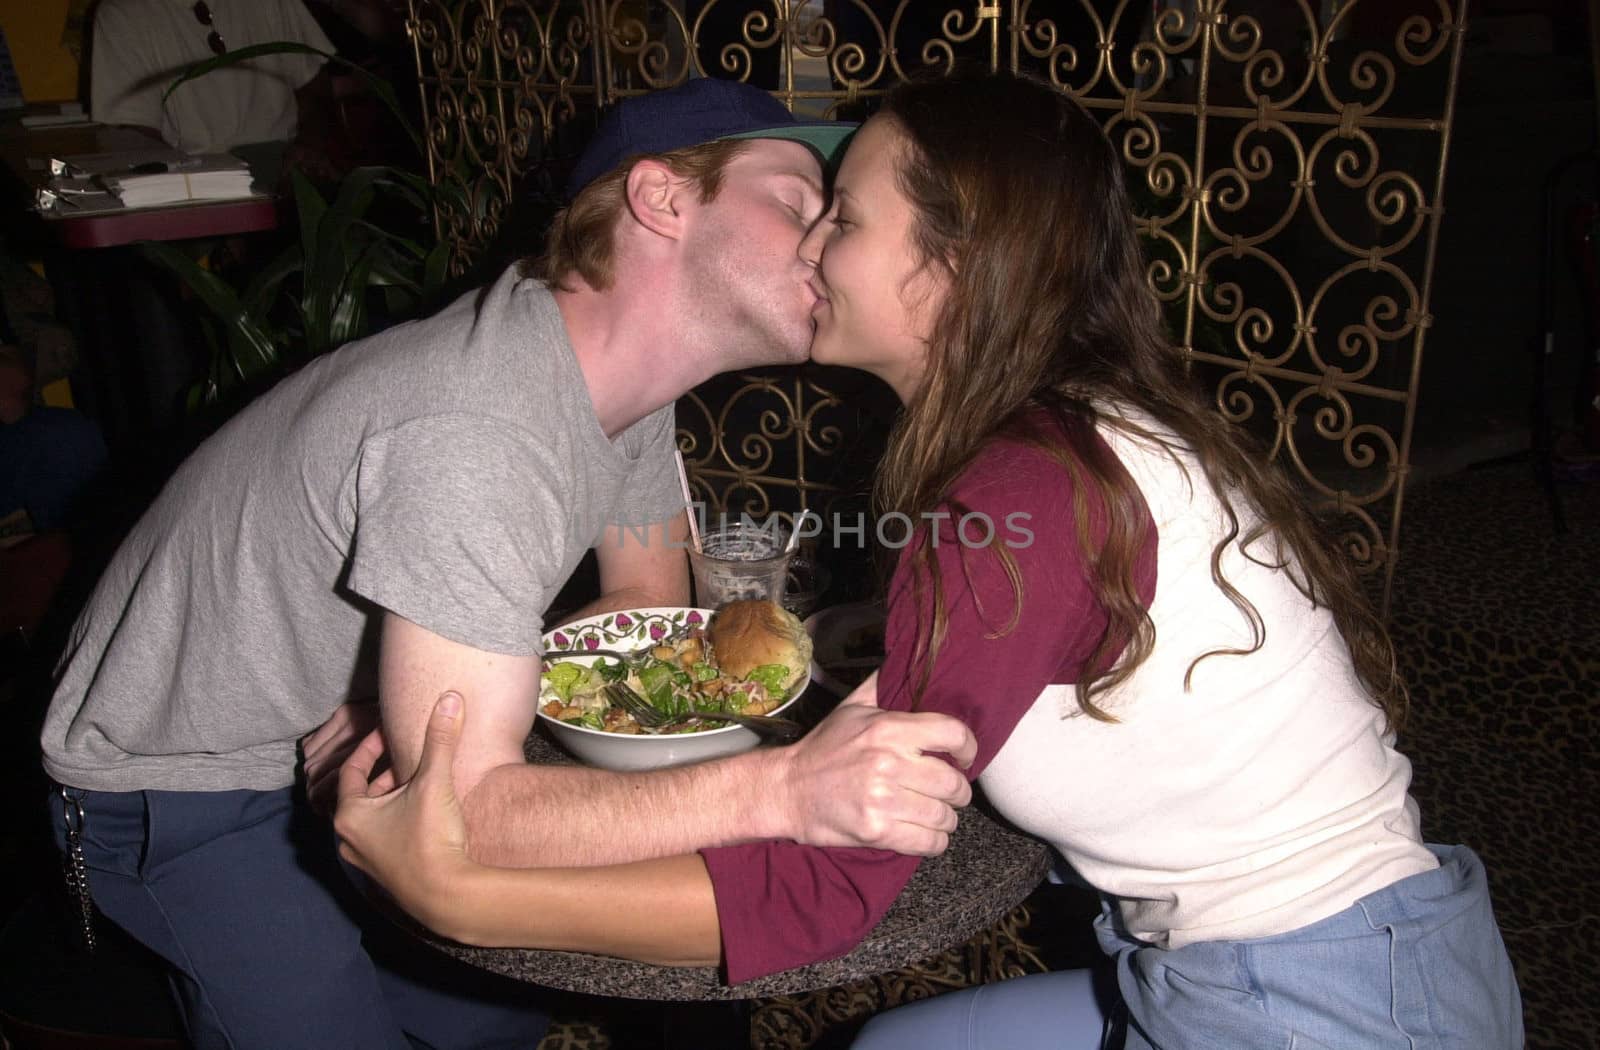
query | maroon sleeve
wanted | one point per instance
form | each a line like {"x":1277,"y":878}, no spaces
{"x":782,"y":904}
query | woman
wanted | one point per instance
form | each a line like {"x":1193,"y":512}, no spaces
{"x":1173,"y":679}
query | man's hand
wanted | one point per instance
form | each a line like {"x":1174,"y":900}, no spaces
{"x":324,"y":749}
{"x":868,"y":777}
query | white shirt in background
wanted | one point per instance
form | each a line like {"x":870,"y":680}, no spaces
{"x":141,"y":46}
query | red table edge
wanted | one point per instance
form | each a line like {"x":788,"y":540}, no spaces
{"x":220,"y":219}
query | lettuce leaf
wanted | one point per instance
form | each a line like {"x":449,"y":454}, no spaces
{"x":563,"y":678}
{"x":773,"y":676}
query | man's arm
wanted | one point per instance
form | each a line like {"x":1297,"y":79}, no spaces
{"x":642,"y":567}
{"x":413,"y":840}
{"x":860,"y":778}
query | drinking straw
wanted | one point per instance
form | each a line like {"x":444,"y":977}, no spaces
{"x":688,"y":501}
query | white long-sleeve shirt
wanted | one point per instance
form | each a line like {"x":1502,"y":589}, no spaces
{"x":1263,"y":798}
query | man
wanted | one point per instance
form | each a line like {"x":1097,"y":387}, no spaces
{"x":396,"y":517}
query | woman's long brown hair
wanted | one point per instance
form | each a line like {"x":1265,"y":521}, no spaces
{"x":1020,"y":199}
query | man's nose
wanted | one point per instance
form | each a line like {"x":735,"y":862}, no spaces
{"x":810,"y":250}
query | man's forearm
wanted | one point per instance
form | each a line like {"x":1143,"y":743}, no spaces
{"x":552,"y":816}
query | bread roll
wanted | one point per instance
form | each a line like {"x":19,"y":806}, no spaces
{"x":745,"y":635}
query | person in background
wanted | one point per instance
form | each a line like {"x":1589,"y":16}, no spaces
{"x":257,"y":107}
{"x":49,"y":459}
{"x":49,"y":455}
{"x":1174,"y":677}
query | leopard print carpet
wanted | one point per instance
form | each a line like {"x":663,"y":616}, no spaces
{"x":1497,"y":624}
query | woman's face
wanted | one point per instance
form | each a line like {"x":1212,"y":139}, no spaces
{"x":876,"y":300}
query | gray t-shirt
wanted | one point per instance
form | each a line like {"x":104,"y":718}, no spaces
{"x":451,"y":470}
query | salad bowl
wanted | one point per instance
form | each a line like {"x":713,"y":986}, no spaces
{"x":631,"y":631}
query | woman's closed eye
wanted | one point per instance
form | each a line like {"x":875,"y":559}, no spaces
{"x":841,"y":210}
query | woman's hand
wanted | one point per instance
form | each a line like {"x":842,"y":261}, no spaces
{"x":411,"y":839}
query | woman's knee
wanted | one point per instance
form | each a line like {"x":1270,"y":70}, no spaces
{"x":1059,"y":1011}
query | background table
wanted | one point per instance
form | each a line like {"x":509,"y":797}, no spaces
{"x":135,"y":334}
{"x":108,"y":229}
{"x":986,"y":872}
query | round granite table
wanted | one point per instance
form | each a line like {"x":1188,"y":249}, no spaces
{"x":985,"y":873}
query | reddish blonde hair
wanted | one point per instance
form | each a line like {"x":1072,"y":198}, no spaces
{"x":582,"y":237}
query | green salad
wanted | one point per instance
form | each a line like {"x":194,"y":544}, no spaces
{"x":674,"y":677}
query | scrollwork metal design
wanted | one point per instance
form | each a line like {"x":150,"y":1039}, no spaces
{"x":1286,"y":168}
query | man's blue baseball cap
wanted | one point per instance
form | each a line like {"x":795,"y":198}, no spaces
{"x":696,"y":112}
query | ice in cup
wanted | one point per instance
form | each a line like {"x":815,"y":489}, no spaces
{"x":737,"y":562}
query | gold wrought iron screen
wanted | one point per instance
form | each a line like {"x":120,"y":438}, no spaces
{"x":1287,"y":159}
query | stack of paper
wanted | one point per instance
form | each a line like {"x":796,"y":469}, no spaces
{"x":215,"y":176}
{"x":158,"y":157}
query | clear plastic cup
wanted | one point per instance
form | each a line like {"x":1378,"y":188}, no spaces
{"x":807,"y":581}
{"x":739,"y":561}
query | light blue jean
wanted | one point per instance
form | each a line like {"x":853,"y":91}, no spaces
{"x":1418,"y":965}
{"x":1058,"y":1011}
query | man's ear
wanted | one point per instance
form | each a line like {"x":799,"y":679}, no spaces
{"x":655,"y":197}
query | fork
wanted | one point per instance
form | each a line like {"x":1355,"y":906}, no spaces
{"x":779,"y":730}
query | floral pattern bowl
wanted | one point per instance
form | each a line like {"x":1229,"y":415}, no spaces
{"x":625,"y":632}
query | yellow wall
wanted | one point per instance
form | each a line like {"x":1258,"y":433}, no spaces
{"x":33,"y":29}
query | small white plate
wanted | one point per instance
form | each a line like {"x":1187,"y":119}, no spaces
{"x":837,"y":633}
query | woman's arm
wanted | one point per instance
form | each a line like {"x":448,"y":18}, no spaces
{"x":413,"y":840}
{"x":655,"y":911}
{"x":783,"y":905}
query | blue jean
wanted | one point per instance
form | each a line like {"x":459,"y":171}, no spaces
{"x":1418,"y":965}
{"x":47,"y":459}
{"x":270,"y":945}
{"x":1043,"y":1011}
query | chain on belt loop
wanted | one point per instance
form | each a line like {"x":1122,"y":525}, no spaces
{"x":76,"y":870}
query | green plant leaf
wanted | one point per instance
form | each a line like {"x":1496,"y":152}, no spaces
{"x":309,"y":208}
{"x":435,"y":270}
{"x":250,"y":343}
{"x":333,"y":258}
{"x":398,"y":301}
{"x":342,"y":259}
{"x":390,"y":272}
{"x":349,"y":307}
{"x":410,"y":247}
{"x":413,"y":189}
{"x":262,"y":290}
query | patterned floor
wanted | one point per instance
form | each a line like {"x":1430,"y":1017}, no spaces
{"x":1497,"y":618}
